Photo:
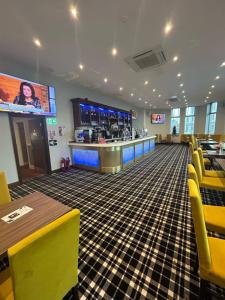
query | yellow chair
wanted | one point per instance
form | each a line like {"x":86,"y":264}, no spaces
{"x":4,"y":191}
{"x":209,"y":173}
{"x":44,"y":265}
{"x":214,"y":215}
{"x":206,"y":161}
{"x":211,"y":252}
{"x":213,"y":183}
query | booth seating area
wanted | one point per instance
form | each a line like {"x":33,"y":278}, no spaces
{"x":186,"y":138}
{"x":208,"y":221}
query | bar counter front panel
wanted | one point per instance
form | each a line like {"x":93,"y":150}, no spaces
{"x":112,"y":157}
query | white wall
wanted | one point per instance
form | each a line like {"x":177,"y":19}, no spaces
{"x":64,"y":92}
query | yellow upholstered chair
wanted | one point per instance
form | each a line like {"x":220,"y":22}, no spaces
{"x":209,"y":173}
{"x":211,"y":252}
{"x":213,"y":183}
{"x":206,"y":161}
{"x":214,"y":215}
{"x":44,"y":265}
{"x":4,"y":191}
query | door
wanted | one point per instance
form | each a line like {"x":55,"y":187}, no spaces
{"x":36,"y":130}
{"x":22,"y":137}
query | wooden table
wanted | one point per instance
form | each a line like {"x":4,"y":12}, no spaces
{"x":221,"y":162}
{"x":45,"y":210}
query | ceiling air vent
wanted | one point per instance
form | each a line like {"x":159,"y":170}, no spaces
{"x":147,"y":59}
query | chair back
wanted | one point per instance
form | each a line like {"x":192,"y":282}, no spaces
{"x":194,"y":142}
{"x":44,"y":265}
{"x":197,"y":165}
{"x":200,"y":154}
{"x":199,"y":226}
{"x":4,"y":191}
{"x":193,"y":175}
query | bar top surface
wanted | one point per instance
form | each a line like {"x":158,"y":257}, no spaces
{"x":115,"y":144}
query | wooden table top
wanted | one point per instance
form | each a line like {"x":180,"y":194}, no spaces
{"x":45,"y":210}
{"x":221,"y":162}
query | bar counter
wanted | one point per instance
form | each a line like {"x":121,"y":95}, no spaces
{"x":110,"y":157}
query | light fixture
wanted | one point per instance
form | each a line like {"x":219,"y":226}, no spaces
{"x":154,"y":90}
{"x":168,"y":28}
{"x":37,"y":42}
{"x":146,"y":82}
{"x":179,"y":75}
{"x":146,"y":102}
{"x":205,"y":100}
{"x":184,"y":96}
{"x":74,"y":12}
{"x":207,"y":97}
{"x":183,"y":92}
{"x":217,"y":77}
{"x":159,"y":95}
{"x":210,"y":92}
{"x":105,"y":80}
{"x":140,"y":99}
{"x":121,"y":88}
{"x":175,"y":58}
{"x":150,"y":104}
{"x":81,"y":66}
{"x":114,"y":51}
{"x":132,"y":94}
{"x":212,"y":86}
{"x":223,"y":64}
{"x":181,"y":84}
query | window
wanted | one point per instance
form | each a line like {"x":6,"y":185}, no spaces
{"x":175,"y":120}
{"x":210,"y":124}
{"x":189,"y":124}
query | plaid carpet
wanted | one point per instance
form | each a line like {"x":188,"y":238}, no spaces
{"x":137,"y":239}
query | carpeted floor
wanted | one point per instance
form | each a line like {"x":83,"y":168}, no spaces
{"x":137,"y":239}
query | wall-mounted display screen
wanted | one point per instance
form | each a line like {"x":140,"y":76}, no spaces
{"x":18,"y":95}
{"x":158,"y":118}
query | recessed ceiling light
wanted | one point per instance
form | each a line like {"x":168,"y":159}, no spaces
{"x":146,"y":82}
{"x":81,"y":66}
{"x":150,"y":104}
{"x":181,"y":84}
{"x":74,"y":12}
{"x":205,"y":100}
{"x":184,"y":96}
{"x":132,"y":94}
{"x":168,"y":28}
{"x":121,"y":88}
{"x":37,"y":42}
{"x":140,"y":99}
{"x":183,"y":92}
{"x":179,"y":75}
{"x":223,"y":64}
{"x":159,"y":95}
{"x":105,"y":80}
{"x":154,"y":90}
{"x":212,"y":86}
{"x":210,"y":92}
{"x":207,"y":97}
{"x":217,"y":77}
{"x":114,"y":51}
{"x":146,"y":102}
{"x":175,"y":58}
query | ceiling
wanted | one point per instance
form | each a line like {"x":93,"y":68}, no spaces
{"x":197,"y":38}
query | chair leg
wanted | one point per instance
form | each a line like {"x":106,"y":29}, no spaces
{"x":75,"y":293}
{"x":203,"y":290}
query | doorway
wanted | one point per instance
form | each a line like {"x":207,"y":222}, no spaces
{"x":30,"y":143}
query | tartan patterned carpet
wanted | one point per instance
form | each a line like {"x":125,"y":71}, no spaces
{"x":136,"y":239}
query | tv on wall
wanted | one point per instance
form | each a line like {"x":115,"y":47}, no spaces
{"x":18,"y":95}
{"x":158,"y":118}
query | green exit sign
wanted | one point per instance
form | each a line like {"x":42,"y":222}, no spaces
{"x":51,"y":121}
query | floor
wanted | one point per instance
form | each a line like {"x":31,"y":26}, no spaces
{"x":137,"y":239}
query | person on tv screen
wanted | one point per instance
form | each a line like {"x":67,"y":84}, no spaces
{"x":27,"y":96}
{"x":158,"y":118}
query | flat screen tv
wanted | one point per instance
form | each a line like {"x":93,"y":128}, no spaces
{"x":23,"y":96}
{"x":158,"y":118}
